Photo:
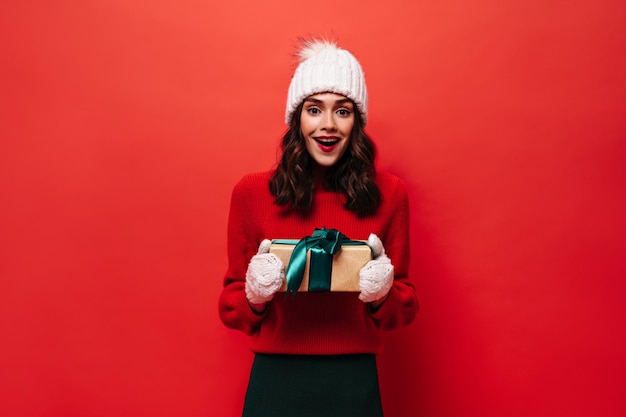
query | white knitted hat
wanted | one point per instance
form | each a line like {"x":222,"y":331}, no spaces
{"x":324,"y":67}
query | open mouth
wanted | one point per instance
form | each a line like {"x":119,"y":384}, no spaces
{"x":327,"y":141}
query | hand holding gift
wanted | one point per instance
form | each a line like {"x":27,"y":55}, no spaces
{"x":376,"y":277}
{"x":265,"y":275}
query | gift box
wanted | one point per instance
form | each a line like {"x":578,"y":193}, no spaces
{"x":325,"y":261}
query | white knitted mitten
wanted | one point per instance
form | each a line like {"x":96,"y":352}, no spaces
{"x":376,"y":277}
{"x":265,"y":275}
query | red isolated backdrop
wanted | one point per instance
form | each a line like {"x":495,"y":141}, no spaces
{"x":125,"y":124}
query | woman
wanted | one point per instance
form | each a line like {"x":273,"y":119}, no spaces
{"x":315,"y":352}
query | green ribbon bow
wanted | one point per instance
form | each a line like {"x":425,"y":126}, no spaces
{"x":323,"y":244}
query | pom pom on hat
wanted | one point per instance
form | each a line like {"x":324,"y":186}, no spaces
{"x":324,"y":67}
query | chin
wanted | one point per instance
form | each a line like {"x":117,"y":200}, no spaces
{"x":325,"y":162}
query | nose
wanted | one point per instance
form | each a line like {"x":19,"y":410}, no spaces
{"x":328,"y":123}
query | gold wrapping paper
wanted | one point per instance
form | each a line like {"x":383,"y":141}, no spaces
{"x":346,"y":266}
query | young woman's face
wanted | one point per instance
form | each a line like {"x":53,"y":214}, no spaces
{"x":326,"y":123}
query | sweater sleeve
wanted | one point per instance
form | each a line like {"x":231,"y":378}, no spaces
{"x":401,"y":305}
{"x":242,"y":244}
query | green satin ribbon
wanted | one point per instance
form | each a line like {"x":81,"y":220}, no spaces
{"x":323,"y":244}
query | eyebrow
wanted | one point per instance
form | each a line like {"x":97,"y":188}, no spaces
{"x":317,"y":101}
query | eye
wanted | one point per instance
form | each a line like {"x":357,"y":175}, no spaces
{"x":343,"y":112}
{"x":313,"y":110}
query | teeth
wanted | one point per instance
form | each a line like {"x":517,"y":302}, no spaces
{"x":327,"y":141}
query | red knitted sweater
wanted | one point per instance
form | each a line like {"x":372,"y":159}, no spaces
{"x":315,"y":323}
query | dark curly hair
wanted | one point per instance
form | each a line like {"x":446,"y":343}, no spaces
{"x":353,"y":175}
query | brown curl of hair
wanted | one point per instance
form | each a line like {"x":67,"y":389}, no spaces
{"x":353,"y":175}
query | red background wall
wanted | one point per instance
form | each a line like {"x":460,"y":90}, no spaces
{"x":125,"y":124}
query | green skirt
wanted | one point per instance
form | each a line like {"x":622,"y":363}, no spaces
{"x":313,"y":386}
